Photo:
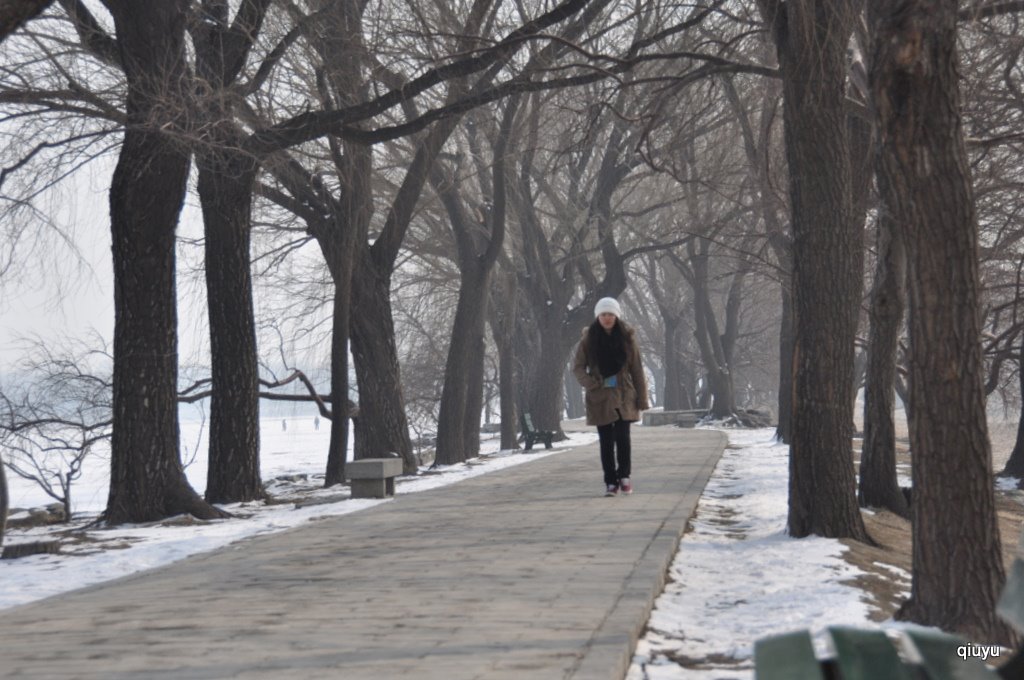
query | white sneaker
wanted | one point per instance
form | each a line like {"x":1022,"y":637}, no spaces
{"x":626,"y":485}
{"x":612,"y":490}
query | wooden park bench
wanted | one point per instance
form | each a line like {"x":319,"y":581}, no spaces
{"x":531,"y":435}
{"x":907,"y":655}
{"x":373,"y":477}
{"x":870,"y":655}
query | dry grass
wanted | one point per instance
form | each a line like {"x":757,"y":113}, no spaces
{"x":887,"y":566}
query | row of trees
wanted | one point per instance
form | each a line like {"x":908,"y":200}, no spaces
{"x":401,"y":176}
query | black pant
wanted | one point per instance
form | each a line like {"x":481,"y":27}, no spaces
{"x":615,"y":437}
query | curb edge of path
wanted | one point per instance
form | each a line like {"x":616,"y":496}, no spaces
{"x":643,"y":585}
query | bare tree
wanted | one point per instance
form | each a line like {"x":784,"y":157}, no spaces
{"x":458,"y":431}
{"x":878,"y":485}
{"x":677,"y":380}
{"x":503,"y":311}
{"x":811,"y":40}
{"x":55,"y":414}
{"x":958,"y":568}
{"x":146,"y":194}
{"x":225,"y":181}
{"x":758,"y":121}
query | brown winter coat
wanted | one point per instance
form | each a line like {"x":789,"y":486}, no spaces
{"x":628,"y":398}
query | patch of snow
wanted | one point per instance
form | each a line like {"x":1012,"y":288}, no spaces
{"x":738,"y":577}
{"x":1007,"y":483}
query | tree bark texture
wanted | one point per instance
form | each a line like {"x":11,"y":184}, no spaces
{"x":337,"y":449}
{"x":382,"y":425}
{"x":466,"y":350}
{"x":676,"y":394}
{"x":227,"y":177}
{"x":878,"y":485}
{"x":147,"y":481}
{"x":14,"y":13}
{"x":958,"y":569}
{"x":543,"y":367}
{"x":226,"y":183}
{"x":811,"y":40}
{"x":503,"y":316}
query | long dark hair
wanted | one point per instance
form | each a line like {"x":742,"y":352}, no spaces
{"x":608,"y":351}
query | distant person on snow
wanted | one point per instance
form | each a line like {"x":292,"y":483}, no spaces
{"x":609,"y":368}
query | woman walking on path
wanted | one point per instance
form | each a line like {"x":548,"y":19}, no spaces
{"x":609,"y":368}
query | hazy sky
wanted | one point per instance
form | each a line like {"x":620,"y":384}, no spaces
{"x":59,"y":294}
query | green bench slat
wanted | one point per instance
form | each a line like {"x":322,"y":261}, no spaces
{"x":786,"y":657}
{"x":866,"y":655}
{"x":940,"y":659}
{"x":1011,"y":602}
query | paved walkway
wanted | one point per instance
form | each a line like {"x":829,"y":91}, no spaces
{"x":525,"y":573}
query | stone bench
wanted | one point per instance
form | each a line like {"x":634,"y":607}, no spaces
{"x":373,"y":477}
{"x":680,"y":418}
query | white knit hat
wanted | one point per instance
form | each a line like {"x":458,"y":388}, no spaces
{"x":609,"y":305}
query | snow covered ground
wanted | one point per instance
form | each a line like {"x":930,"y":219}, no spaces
{"x":738,"y":576}
{"x":774,"y":583}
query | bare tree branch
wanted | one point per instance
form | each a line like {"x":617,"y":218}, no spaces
{"x":985,"y":10}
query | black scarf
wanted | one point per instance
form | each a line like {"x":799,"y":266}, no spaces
{"x":608,"y":350}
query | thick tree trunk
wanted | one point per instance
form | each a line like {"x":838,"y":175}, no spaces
{"x":507,"y":392}
{"x":337,"y":451}
{"x":227,"y":177}
{"x":723,"y":395}
{"x":811,"y":39}
{"x":226,"y":182}
{"x":464,"y":353}
{"x":878,"y":485}
{"x":545,"y":402}
{"x":716,"y":363}
{"x":958,"y":567}
{"x":475,"y":389}
{"x":338,"y":238}
{"x":382,"y":426}
{"x":672,"y":398}
{"x":503,"y":306}
{"x":147,"y":481}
